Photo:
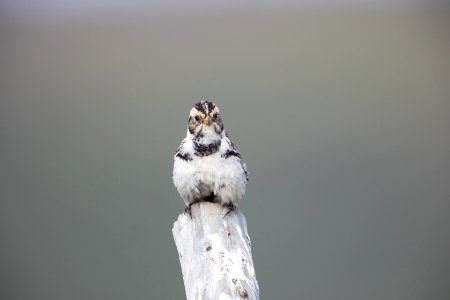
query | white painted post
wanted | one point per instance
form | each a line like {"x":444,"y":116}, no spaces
{"x":215,"y":253}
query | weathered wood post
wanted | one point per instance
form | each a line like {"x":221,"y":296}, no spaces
{"x":215,"y":253}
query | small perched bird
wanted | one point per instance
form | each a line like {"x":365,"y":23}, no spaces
{"x":207,"y":165}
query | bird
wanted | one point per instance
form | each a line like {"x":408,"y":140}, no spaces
{"x":207,"y":165}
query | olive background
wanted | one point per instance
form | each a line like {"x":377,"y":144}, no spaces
{"x":342,"y":115}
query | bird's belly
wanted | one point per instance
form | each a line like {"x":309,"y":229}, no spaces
{"x":215,"y":173}
{"x":201,"y":178}
{"x":206,"y":175}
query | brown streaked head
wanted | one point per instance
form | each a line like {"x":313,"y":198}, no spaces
{"x":204,"y":115}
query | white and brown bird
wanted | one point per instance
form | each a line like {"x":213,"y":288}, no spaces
{"x":207,"y":165}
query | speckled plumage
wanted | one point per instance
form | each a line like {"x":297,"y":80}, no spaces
{"x":207,"y":165}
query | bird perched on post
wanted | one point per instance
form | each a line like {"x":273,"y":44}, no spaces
{"x":207,"y":165}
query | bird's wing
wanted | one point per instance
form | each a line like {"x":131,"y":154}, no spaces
{"x":179,"y":153}
{"x":233,"y":151}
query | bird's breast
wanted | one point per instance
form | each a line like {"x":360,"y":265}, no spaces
{"x":209,"y":164}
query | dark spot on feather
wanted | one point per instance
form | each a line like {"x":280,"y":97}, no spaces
{"x":199,"y":106}
{"x":184,"y":156}
{"x":210,"y":105}
{"x":231,"y":152}
{"x":199,"y":134}
{"x":206,"y":149}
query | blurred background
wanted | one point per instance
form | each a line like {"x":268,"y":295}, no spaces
{"x":342,"y":112}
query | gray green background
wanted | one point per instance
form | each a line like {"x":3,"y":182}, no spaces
{"x":342,"y":114}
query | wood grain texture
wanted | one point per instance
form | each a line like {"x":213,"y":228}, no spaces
{"x":215,"y":253}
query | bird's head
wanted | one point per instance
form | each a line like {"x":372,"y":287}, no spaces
{"x":205,"y":121}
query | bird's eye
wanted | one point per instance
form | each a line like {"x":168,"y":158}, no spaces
{"x":197,"y":118}
{"x":215,"y":116}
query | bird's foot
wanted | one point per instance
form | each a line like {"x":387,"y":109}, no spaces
{"x":230,"y":207}
{"x":187,"y":210}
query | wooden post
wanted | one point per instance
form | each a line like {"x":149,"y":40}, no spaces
{"x":215,"y":253}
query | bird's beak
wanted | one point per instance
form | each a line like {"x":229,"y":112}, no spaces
{"x":207,"y":121}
